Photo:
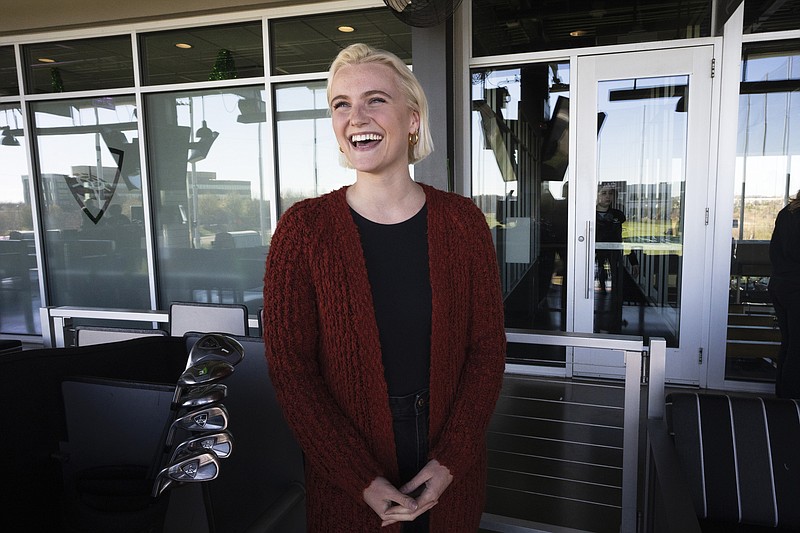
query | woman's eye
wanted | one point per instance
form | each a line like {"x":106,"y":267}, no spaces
{"x":377,"y":101}
{"x":337,"y":105}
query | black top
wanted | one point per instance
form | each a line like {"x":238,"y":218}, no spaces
{"x":784,"y":247}
{"x":609,"y":225}
{"x":397,"y":265}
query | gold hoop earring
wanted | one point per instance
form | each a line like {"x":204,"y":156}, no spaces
{"x":413,"y":138}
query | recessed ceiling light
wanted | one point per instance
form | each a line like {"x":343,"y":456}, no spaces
{"x":578,"y":33}
{"x":46,"y":60}
{"x":185,"y":46}
{"x":346,"y":29}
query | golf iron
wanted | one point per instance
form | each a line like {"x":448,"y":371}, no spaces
{"x":198,"y":467}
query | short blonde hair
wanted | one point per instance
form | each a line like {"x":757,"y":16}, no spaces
{"x":360,"y":54}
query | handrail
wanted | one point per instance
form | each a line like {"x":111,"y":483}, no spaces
{"x":634,"y":350}
{"x":55,"y":320}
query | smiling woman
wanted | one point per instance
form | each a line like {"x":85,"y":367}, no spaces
{"x":383,"y":321}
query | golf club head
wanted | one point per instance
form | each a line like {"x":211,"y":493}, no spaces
{"x":211,"y":418}
{"x":215,"y":347}
{"x":195,"y":468}
{"x":202,"y":373}
{"x":203,"y":396}
{"x":219,"y":443}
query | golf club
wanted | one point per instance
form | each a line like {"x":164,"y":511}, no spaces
{"x":202,"y":373}
{"x":215,"y":346}
{"x":220,"y":444}
{"x":202,"y":466}
{"x":214,"y":418}
{"x":203,"y":396}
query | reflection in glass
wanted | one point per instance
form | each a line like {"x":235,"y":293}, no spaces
{"x":19,"y":275}
{"x":78,"y":65}
{"x":310,"y":42}
{"x":501,"y":27}
{"x":520,"y":125}
{"x":91,"y":197}
{"x":308,"y":154}
{"x":8,"y":72}
{"x":767,"y":159}
{"x":201,"y":54}
{"x":641,"y":169}
{"x":211,"y":214}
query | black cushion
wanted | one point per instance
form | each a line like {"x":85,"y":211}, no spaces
{"x":741,"y":456}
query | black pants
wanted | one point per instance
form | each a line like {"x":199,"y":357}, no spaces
{"x":410,"y":421}
{"x":786,"y":300}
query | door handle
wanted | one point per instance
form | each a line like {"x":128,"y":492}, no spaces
{"x":589,"y":260}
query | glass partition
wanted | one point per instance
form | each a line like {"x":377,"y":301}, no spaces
{"x":211,"y":213}
{"x":91,"y":196}
{"x":520,"y":152}
{"x":8,"y":72}
{"x":767,"y":159}
{"x":210,"y":53}
{"x":78,"y":65}
{"x":503,"y":27}
{"x":19,"y":275}
{"x":309,"y":43}
{"x":308,"y":154}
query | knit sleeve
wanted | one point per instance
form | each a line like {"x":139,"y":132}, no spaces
{"x":464,"y":435}
{"x":291,"y":337}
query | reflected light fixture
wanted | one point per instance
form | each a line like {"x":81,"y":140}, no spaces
{"x":45,"y":60}
{"x":578,"y":33}
{"x":8,"y":138}
{"x":346,"y":29}
{"x":183,"y":46}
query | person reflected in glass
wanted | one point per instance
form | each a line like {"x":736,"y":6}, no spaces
{"x":609,"y":257}
{"x":383,"y":322}
{"x":784,"y":290}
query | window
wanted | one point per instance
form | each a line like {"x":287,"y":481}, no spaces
{"x":91,"y":197}
{"x":309,"y":44}
{"x":211,"y":214}
{"x":8,"y":72}
{"x":503,"y":27}
{"x":767,"y":159}
{"x":202,"y":54}
{"x":78,"y":65}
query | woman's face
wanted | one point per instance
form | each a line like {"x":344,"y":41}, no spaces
{"x":372,"y":119}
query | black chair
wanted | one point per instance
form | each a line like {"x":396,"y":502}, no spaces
{"x":724,"y":463}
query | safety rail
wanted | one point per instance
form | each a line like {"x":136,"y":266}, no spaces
{"x":641,"y":361}
{"x":58,"y":321}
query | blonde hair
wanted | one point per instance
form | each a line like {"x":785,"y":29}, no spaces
{"x":361,"y":54}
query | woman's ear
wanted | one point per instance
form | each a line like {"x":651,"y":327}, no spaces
{"x":414,"y":126}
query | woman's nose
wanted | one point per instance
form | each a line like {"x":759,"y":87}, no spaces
{"x":358,"y":115}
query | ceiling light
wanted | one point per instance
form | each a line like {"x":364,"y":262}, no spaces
{"x":578,"y":33}
{"x":46,"y":60}
{"x":346,"y":29}
{"x":184,"y":46}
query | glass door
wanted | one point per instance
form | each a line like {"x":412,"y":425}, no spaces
{"x":643,"y":136}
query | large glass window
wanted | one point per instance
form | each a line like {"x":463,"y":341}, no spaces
{"x":202,"y":54}
{"x":768,"y":15}
{"x":767,"y":159}
{"x":19,"y":276}
{"x":8,"y":72}
{"x":503,"y":27}
{"x":211,"y":210}
{"x":309,"y":43}
{"x":91,"y":197}
{"x":520,"y":125}
{"x":306,"y":146}
{"x":78,"y":65}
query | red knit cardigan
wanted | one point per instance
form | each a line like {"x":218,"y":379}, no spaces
{"x":324,"y":357}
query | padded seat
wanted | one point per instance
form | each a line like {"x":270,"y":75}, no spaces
{"x":741,"y":459}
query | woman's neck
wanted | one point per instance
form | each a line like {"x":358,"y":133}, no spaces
{"x":386,"y":202}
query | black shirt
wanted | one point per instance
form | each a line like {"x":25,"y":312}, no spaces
{"x":397,"y":265}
